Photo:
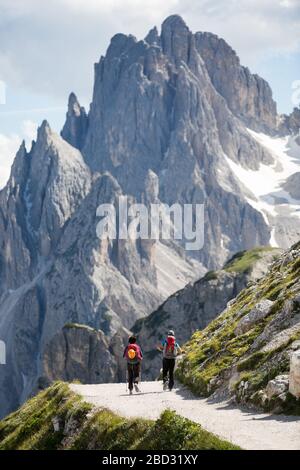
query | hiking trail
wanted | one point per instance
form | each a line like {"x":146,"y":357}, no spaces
{"x":247,"y":428}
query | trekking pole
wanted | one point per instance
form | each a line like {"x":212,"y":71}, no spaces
{"x":140,"y":375}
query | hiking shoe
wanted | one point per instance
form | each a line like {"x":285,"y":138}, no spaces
{"x":136,"y":388}
{"x":130,"y":392}
{"x":165,"y":385}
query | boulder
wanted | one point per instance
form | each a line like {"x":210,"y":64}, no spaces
{"x":277,"y":386}
{"x":259,"y":312}
{"x":294,"y":379}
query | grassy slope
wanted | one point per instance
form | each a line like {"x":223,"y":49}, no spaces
{"x":213,"y":352}
{"x":244,"y":260}
{"x":31,"y":427}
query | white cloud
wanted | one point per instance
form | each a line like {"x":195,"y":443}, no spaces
{"x":51,"y":49}
{"x":29,"y":130}
{"x":9,"y":145}
{"x":8,"y":148}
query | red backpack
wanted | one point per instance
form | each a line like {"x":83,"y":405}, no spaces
{"x":170,"y":349}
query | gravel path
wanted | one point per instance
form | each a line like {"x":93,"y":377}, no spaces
{"x":248,"y":429}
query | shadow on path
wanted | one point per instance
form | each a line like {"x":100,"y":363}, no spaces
{"x":137,"y":394}
{"x":250,"y":414}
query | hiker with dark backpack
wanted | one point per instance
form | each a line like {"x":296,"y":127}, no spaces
{"x":170,"y":349}
{"x":133,"y":355}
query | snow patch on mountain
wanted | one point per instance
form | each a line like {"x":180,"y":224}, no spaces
{"x":266,"y":184}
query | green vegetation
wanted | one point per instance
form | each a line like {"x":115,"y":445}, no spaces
{"x":243,"y":261}
{"x":81,"y":427}
{"x":219,"y":353}
{"x":31,"y":426}
{"x":211,"y":275}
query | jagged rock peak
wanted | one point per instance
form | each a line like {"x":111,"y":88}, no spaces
{"x":44,"y":129}
{"x":74,"y":105}
{"x":152,"y":37}
{"x":119,"y":44}
{"x":19,"y":166}
{"x":174,"y":22}
{"x":175,"y":37}
{"x":44,"y":133}
{"x":75,"y":127}
{"x":22,"y":151}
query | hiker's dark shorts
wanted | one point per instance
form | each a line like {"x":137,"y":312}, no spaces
{"x":133,"y":374}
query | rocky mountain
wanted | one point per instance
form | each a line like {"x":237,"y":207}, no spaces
{"x":163,"y":127}
{"x":55,"y":270}
{"x":161,"y":89}
{"x":195,"y":306}
{"x":80,"y":352}
{"x":251,"y":351}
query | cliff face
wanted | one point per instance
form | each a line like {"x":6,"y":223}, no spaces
{"x":248,"y":96}
{"x":78,"y":352}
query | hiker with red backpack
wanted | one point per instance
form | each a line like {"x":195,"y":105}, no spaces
{"x":170,"y":349}
{"x":134,"y":356}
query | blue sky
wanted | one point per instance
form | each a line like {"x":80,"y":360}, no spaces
{"x":47,"y":52}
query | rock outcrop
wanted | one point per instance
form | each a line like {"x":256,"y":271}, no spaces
{"x":258,"y":313}
{"x":78,"y":352}
{"x":294,"y":378}
{"x":75,"y":127}
{"x":277,"y":387}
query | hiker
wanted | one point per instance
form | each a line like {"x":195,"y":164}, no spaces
{"x":170,"y":349}
{"x":134,"y":357}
